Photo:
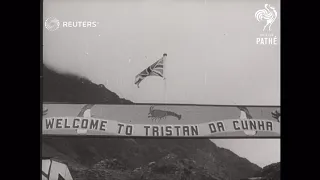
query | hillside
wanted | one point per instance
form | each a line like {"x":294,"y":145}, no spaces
{"x":67,"y":88}
{"x":271,"y":172}
{"x":119,"y":158}
{"x":90,"y":153}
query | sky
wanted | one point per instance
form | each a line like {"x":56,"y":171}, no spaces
{"x":212,"y":57}
{"x":259,"y":151}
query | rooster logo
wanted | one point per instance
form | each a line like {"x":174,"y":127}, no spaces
{"x":267,"y":15}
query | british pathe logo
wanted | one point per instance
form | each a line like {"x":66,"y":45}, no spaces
{"x":268,"y":16}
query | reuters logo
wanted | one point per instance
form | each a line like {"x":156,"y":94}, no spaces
{"x":52,"y":24}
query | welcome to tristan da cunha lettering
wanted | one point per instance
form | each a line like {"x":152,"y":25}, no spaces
{"x":102,"y":127}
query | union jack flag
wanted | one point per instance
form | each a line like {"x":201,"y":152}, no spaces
{"x":156,"y":69}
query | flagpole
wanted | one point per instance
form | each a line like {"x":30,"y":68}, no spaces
{"x":165,"y":77}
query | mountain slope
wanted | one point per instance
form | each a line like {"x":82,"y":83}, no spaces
{"x":67,"y":88}
{"x":116,"y":158}
{"x":271,"y":172}
{"x":135,"y":153}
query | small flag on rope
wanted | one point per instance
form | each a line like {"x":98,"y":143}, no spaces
{"x":156,"y":69}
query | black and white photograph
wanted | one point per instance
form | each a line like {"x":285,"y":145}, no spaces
{"x":161,"y":89}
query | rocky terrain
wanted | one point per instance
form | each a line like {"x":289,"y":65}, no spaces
{"x":270,"y":172}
